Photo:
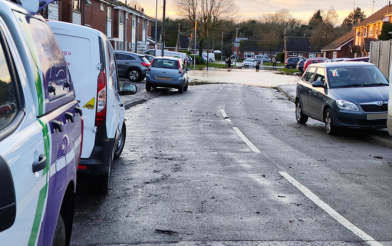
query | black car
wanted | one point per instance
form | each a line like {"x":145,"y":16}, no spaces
{"x":131,"y":65}
{"x":292,"y":62}
{"x":344,"y":94}
{"x":300,"y":65}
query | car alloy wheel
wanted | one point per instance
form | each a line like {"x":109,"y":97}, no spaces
{"x":300,"y":117}
{"x":329,"y":126}
{"x":133,"y":75}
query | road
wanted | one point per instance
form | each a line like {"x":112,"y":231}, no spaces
{"x":190,"y":176}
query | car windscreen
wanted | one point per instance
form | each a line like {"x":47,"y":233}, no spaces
{"x":165,"y":63}
{"x":144,"y":59}
{"x":360,"y":76}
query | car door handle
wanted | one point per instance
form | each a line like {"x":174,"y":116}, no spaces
{"x":40,"y":164}
{"x":57,"y":125}
{"x":70,"y":116}
{"x":127,"y":63}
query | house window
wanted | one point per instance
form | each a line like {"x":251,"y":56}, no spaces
{"x":109,"y":13}
{"x":102,"y":7}
{"x":249,"y":54}
{"x":365,"y":31}
{"x":300,"y":55}
{"x":311,"y":55}
{"x":371,"y":31}
{"x":292,"y":54}
{"x":76,"y":5}
{"x":121,"y":17}
{"x":133,"y":22}
{"x":55,"y":3}
{"x":335,"y":55}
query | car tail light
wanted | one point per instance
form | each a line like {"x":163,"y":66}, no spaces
{"x":101,"y":99}
{"x":145,"y":64}
{"x":82,"y":167}
{"x":152,"y":62}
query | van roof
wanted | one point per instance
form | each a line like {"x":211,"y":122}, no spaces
{"x":74,"y":29}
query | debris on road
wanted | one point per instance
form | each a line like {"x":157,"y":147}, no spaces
{"x":165,"y":231}
{"x":377,"y":157}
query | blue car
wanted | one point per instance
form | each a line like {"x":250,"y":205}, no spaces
{"x":349,"y":94}
{"x":167,"y":72}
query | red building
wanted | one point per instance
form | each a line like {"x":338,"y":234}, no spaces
{"x":128,"y":28}
{"x":340,"y":48}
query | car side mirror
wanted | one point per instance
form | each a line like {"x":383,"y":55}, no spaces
{"x":128,"y":89}
{"x":7,"y":197}
{"x":318,"y":84}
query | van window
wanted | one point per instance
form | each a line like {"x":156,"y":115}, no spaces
{"x":49,"y":62}
{"x":112,"y":65}
{"x":8,"y":102}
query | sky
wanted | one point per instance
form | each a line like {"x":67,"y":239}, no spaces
{"x":253,"y":9}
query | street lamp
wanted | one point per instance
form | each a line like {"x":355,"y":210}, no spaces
{"x":222,"y":48}
{"x":236,"y":55}
{"x":194,"y":57}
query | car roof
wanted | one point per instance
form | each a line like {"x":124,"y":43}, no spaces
{"x":341,"y":64}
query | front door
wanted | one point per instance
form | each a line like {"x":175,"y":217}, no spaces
{"x":305,"y":88}
{"x":317,"y":95}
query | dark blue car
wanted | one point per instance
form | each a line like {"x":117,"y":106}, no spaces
{"x":349,"y":94}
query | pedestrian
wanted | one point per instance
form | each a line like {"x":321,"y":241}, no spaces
{"x":228,"y":62}
{"x":274,"y":61}
{"x":258,"y":65}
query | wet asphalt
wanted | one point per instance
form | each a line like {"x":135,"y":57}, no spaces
{"x":187,"y":178}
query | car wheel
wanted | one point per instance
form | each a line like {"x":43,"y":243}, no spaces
{"x":328,"y":121}
{"x":148,"y":87}
{"x":301,"y":118}
{"x":133,"y":75}
{"x":59,"y":238}
{"x":121,"y":142}
{"x":186,"y":88}
{"x":181,"y":89}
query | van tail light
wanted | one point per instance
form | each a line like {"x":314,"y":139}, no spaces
{"x":100,"y":116}
{"x":179,"y":67}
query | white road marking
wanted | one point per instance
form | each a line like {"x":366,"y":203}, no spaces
{"x":242,"y":136}
{"x":365,"y":237}
{"x":225,"y":115}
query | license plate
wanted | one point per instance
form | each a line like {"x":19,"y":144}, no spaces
{"x":382,"y":116}
{"x":163,"y":78}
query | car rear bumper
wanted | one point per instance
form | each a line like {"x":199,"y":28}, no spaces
{"x":169,"y":84}
{"x":98,"y":162}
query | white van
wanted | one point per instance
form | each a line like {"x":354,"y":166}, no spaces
{"x":92,"y":64}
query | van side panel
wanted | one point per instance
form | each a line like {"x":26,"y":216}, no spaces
{"x":83,"y":65}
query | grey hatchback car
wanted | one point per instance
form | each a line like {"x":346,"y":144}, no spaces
{"x":344,"y":94}
{"x":131,"y":65}
{"x":167,"y":72}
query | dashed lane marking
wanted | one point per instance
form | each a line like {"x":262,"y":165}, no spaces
{"x":225,"y":116}
{"x":343,"y":221}
{"x":246,"y":140}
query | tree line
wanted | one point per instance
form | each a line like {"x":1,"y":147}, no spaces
{"x":216,"y":19}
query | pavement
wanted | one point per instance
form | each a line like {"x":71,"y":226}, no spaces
{"x":379,"y":136}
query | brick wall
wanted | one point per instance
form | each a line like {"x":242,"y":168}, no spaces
{"x":115,"y":22}
{"x":66,"y":10}
{"x":129,"y":31}
{"x":95,"y":17}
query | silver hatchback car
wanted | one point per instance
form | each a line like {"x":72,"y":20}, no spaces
{"x":167,"y":72}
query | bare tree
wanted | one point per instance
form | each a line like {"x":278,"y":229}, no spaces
{"x":270,"y":40}
{"x":207,"y":13}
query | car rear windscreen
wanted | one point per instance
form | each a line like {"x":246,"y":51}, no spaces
{"x":163,"y":63}
{"x":144,"y":59}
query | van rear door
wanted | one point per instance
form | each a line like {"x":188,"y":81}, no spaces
{"x":79,"y":50}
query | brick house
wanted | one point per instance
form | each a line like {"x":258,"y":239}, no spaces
{"x":340,"y":48}
{"x":300,"y":47}
{"x":370,"y":28}
{"x":127,"y":28}
{"x":250,"y":48}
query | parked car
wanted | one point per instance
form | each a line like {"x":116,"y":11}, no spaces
{"x":40,"y":141}
{"x":359,"y":59}
{"x":263,"y":58}
{"x":167,"y":72}
{"x":312,"y":61}
{"x":5,"y":109}
{"x":248,"y":62}
{"x":300,"y":65}
{"x":339,"y":59}
{"x":349,"y":94}
{"x":149,"y":57}
{"x":97,"y":89}
{"x":291,"y":62}
{"x":131,"y":65}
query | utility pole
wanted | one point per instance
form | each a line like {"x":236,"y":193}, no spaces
{"x":194,"y":57}
{"x":222,"y":48}
{"x":163,"y":27}
{"x":156,"y":27}
{"x":236,"y":48}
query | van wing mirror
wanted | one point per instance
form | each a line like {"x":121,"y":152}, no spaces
{"x":128,"y":89}
{"x":7,"y":197}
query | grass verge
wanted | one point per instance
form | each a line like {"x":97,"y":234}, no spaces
{"x":211,"y":64}
{"x":289,"y":70}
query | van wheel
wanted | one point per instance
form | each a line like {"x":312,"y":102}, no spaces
{"x":100,"y":184}
{"x":121,"y":142}
{"x":59,"y":238}
{"x":133,"y":75}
